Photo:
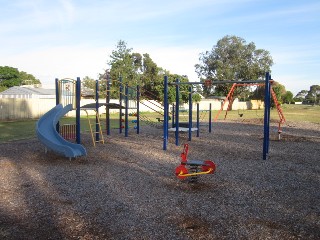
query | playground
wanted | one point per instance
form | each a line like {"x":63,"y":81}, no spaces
{"x":126,"y":188}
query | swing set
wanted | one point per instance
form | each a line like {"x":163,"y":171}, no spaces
{"x":229,"y":99}
{"x":268,"y":92}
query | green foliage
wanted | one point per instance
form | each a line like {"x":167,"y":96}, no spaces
{"x":196,"y":97}
{"x":133,"y":69}
{"x":28,"y":79}
{"x":125,"y":64}
{"x":287,"y":97}
{"x":278,"y":89}
{"x":233,"y":59}
{"x":300,"y":96}
{"x":313,"y":96}
{"x":10,"y":77}
{"x":88,"y":82}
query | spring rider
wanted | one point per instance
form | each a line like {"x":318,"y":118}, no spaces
{"x":193,"y":168}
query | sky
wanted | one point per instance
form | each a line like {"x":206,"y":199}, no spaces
{"x":75,"y":38}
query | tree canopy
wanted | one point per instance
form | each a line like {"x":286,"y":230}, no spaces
{"x":10,"y":76}
{"x":139,"y":69}
{"x":313,"y":96}
{"x":232,"y":58}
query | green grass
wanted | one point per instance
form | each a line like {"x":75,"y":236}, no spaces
{"x":17,"y":130}
{"x":292,"y":113}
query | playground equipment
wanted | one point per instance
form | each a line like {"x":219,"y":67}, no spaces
{"x":123,"y":104}
{"x":68,"y":131}
{"x":267,"y":84}
{"x":95,"y":128}
{"x":193,"y":168}
{"x":47,"y":134}
{"x":229,"y":99}
{"x":176,"y":125}
{"x":124,"y":92}
{"x":47,"y":128}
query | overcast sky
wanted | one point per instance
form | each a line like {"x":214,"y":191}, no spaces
{"x":66,"y":38}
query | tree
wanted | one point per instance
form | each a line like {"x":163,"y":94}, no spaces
{"x":287,"y":97}
{"x":28,"y":79}
{"x":233,"y":59}
{"x":301,"y":96}
{"x":278,"y":89}
{"x":313,"y":96}
{"x":10,"y":77}
{"x":89,"y":83}
{"x":125,"y":64}
{"x":135,"y":68}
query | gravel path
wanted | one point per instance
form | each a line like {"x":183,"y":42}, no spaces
{"x":126,"y":188}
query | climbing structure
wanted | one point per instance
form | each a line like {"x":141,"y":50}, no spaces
{"x":95,"y":127}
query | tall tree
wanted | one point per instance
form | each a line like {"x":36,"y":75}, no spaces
{"x":233,"y":59}
{"x":123,"y":63}
{"x":140,"y":69}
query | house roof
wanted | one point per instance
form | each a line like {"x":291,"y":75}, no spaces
{"x":28,"y":91}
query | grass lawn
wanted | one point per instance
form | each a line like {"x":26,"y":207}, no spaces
{"x":17,"y":130}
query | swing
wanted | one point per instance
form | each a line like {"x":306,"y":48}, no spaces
{"x":241,"y":114}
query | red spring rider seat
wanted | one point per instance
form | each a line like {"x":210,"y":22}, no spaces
{"x":193,"y":168}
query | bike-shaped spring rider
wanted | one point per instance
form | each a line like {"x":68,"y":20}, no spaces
{"x":193,"y":168}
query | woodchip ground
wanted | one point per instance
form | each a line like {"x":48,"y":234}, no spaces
{"x":127,"y":189}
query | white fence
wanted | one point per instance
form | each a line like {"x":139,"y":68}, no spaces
{"x":17,"y":108}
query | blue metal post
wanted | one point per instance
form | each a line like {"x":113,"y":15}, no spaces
{"x":97,"y":111}
{"x":138,"y":109}
{"x":173,"y":111}
{"x":269,"y":116}
{"x":107,"y":105}
{"x":198,"y":121}
{"x":177,"y":112}
{"x":57,"y":101}
{"x":165,"y":120}
{"x":266,"y":116}
{"x":210,"y":124}
{"x":78,"y":97}
{"x":120,"y":103}
{"x":190,"y":112}
{"x":126,"y":92}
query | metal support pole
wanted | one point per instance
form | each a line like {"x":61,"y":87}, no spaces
{"x":266,"y":116}
{"x":173,"y":111}
{"x":165,"y":120}
{"x":210,"y":123}
{"x":97,"y":111}
{"x":198,"y":120}
{"x":120,"y":103}
{"x":177,"y":112}
{"x":138,"y":109}
{"x":57,"y":101}
{"x":269,"y":116}
{"x":78,"y":97}
{"x":126,"y":92}
{"x":190,"y":112}
{"x":108,"y":127}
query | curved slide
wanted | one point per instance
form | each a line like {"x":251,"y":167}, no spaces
{"x":48,"y":135}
